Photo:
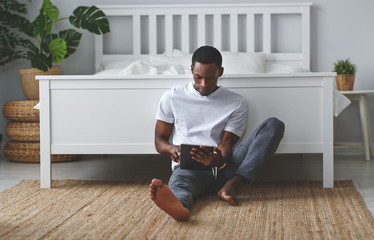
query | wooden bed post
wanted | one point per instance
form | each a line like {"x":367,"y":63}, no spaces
{"x":45,"y":135}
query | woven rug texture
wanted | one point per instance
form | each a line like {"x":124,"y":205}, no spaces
{"x":77,"y":209}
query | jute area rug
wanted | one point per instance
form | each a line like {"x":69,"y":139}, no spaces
{"x":75,"y":209}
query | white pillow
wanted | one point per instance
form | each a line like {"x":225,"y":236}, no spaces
{"x":175,"y":60}
{"x":179,"y":53}
{"x":271,"y":67}
{"x":176,"y":57}
{"x":233,"y":62}
{"x":243,"y":63}
{"x":141,"y":67}
{"x":121,"y":64}
{"x":147,"y":67}
{"x":110,"y":72}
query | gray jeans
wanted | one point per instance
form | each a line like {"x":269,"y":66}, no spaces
{"x":246,"y":161}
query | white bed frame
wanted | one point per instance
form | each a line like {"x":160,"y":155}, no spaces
{"x":95,"y":114}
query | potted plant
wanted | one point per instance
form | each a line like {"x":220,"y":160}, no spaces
{"x":345,"y":74}
{"x":35,"y":41}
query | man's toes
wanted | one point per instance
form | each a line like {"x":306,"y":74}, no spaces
{"x":158,"y":183}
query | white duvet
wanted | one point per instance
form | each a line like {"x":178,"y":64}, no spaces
{"x":179,"y":62}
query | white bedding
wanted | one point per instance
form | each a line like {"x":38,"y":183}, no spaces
{"x":179,"y":62}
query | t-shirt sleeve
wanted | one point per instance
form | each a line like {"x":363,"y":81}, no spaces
{"x":164,"y":111}
{"x":237,"y":122}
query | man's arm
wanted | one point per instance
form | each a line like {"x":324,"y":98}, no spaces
{"x":162,"y":134}
{"x":220,"y":155}
{"x":227,"y":145}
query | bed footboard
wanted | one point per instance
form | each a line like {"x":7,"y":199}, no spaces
{"x":116,"y":115}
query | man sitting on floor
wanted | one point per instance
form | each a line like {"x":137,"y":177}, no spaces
{"x":203,"y":113}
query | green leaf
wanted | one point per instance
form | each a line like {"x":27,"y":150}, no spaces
{"x":40,"y":61}
{"x":50,"y":9}
{"x":13,"y":5}
{"x":15,"y":21}
{"x":71,"y":37}
{"x":11,"y":46}
{"x":39,"y":27}
{"x":57,"y":49}
{"x":91,"y":19}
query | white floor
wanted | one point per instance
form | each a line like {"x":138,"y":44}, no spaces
{"x":295,"y":167}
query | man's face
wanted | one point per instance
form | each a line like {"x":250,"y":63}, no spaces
{"x":206,"y":77}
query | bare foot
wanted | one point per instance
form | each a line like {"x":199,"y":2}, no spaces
{"x":166,"y":201}
{"x":227,"y":192}
{"x":227,"y":195}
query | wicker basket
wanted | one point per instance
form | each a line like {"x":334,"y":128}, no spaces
{"x":30,"y":152}
{"x":344,"y":82}
{"x":23,"y":131}
{"x":21,"y":111}
{"x":30,"y":86}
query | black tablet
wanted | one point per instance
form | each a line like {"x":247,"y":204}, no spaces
{"x":186,"y":159}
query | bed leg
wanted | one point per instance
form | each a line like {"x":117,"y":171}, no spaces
{"x":328,"y":170}
{"x":45,"y":170}
{"x":45,"y":135}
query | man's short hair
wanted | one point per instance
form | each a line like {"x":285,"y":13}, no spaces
{"x":207,"y":55}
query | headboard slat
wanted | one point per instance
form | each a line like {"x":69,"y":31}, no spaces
{"x":201,"y":25}
{"x":153,"y":34}
{"x":169,"y":33}
{"x":217,"y":41}
{"x":250,"y":32}
{"x":136,"y":35}
{"x":266,"y":40}
{"x":185,"y":32}
{"x":234,"y":32}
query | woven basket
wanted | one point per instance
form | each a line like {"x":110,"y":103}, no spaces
{"x":344,"y":82}
{"x":30,"y":86}
{"x":23,"y":131}
{"x":30,"y":152}
{"x":21,"y":111}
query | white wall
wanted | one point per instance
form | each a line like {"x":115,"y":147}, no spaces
{"x":339,"y":29}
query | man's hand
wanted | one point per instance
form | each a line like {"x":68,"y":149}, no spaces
{"x":175,"y":153}
{"x":208,"y":158}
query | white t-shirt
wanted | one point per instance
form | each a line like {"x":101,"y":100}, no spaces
{"x":201,"y":119}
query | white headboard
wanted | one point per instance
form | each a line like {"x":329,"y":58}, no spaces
{"x":208,"y":21}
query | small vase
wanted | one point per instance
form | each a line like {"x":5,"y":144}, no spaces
{"x":344,"y":82}
{"x":30,"y":86}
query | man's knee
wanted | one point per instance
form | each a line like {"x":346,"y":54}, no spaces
{"x":276,"y":125}
{"x":180,"y":180}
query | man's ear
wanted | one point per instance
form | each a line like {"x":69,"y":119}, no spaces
{"x":191,"y":68}
{"x":221,"y":72}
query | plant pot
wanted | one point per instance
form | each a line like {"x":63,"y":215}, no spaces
{"x":344,"y":82}
{"x":30,"y":86}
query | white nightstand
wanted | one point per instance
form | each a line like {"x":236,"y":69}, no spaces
{"x":361,"y":97}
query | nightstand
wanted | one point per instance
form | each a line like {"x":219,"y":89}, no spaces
{"x":361,"y":97}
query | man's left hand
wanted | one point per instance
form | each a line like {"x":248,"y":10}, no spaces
{"x":208,"y":158}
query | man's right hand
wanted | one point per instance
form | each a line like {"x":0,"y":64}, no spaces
{"x":175,"y":153}
{"x":162,"y":134}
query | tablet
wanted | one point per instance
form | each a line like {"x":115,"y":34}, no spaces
{"x":186,"y":159}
